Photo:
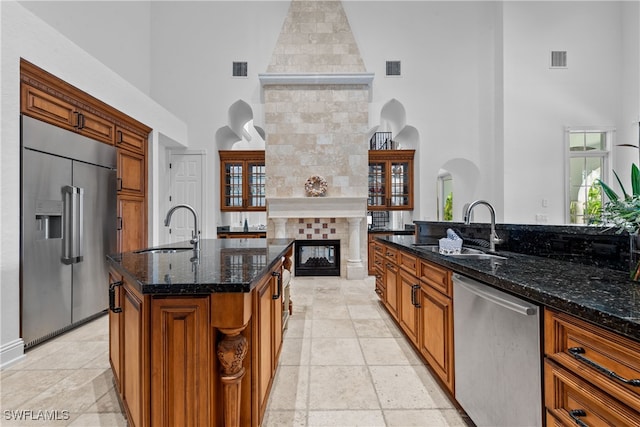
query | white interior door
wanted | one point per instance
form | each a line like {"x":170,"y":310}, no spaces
{"x":185,"y":188}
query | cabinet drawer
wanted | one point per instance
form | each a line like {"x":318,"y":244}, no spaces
{"x":130,"y":140}
{"x":571,"y":401}
{"x":603,"y":358}
{"x":408,"y":262}
{"x":380,"y":288}
{"x":435,"y":276}
{"x":378,"y":263}
{"x":390,"y":254}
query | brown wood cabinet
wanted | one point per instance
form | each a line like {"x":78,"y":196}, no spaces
{"x":132,"y":222}
{"x":45,"y":97}
{"x":44,"y":106}
{"x":418,"y":294}
{"x":390,"y":180}
{"x":268,"y":308}
{"x":242,"y":180}
{"x":166,"y":353}
{"x":591,"y":374}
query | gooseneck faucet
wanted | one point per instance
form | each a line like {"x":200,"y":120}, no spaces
{"x":195,"y":235}
{"x":493,"y":238}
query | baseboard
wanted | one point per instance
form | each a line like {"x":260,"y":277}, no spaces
{"x":11,"y":353}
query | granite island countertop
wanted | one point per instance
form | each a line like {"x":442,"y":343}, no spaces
{"x":602,"y":296}
{"x":223,"y":265}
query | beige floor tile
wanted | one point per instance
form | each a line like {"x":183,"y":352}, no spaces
{"x":298,"y":328}
{"x":337,"y":328}
{"x":295,"y":351}
{"x":290,"y":388}
{"x":398,"y":387}
{"x":383,"y":351}
{"x":336,"y":351}
{"x":364,"y":311}
{"x":341,"y":387}
{"x":346,"y":418}
{"x":415,"y":418}
{"x":285,"y":419}
{"x":99,"y":420}
{"x":23,"y":386}
{"x":322,"y":311}
{"x":371,"y":328}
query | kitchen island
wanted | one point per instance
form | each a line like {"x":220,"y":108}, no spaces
{"x":195,"y":336}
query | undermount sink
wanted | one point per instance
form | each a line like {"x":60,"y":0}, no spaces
{"x":162,"y":250}
{"x":465,"y":253}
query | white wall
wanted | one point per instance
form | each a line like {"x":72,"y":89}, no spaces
{"x":97,"y":26}
{"x":540,"y":102}
{"x":194,"y":46}
{"x":24,"y":35}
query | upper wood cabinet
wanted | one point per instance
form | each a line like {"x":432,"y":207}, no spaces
{"x":41,"y":105}
{"x":390,"y":180}
{"x":242,"y":180}
{"x":49,"y":99}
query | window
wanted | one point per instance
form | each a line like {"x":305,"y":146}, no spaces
{"x":588,"y":161}
{"x":445,"y":197}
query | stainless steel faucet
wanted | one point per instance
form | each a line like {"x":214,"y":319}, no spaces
{"x":493,"y":238}
{"x":195,"y":234}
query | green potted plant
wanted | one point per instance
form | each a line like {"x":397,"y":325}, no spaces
{"x":624,"y":214}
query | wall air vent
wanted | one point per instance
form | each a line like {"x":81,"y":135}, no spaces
{"x":393,"y":68}
{"x":558,"y":59}
{"x":239,"y":69}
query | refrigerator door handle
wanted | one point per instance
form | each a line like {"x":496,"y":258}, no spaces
{"x":73,"y":233}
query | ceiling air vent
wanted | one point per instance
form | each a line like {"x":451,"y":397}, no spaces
{"x":393,"y":68}
{"x":558,"y":59}
{"x":239,"y":69}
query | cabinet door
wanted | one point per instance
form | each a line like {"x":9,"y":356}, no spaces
{"x":132,"y":223}
{"x":129,"y":140}
{"x":232,"y":185}
{"x":276,"y":288}
{"x":132,"y":356}
{"x":391,"y":285}
{"x":436,"y":332}
{"x":115,"y":329}
{"x":400,"y":185}
{"x":95,"y":127}
{"x":255,"y":198}
{"x":131,"y":172}
{"x":48,"y":108}
{"x":377,"y":185}
{"x":409,"y":311}
{"x":180,"y":349}
{"x":265,"y":339}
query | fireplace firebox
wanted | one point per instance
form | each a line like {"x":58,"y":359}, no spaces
{"x":317,"y":258}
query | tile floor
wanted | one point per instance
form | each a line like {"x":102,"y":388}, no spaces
{"x":344,"y":362}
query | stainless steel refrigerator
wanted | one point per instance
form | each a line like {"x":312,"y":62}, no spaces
{"x":68,"y":221}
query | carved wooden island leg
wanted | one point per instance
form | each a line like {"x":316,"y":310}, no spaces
{"x":231,"y":351}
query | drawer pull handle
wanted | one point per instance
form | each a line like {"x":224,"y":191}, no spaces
{"x":575,"y":413}
{"x":112,"y":297}
{"x":577,"y":352}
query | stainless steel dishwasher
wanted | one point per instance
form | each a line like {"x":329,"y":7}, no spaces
{"x":498,"y":377}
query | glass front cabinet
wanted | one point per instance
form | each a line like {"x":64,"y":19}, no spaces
{"x":390,"y":180}
{"x":242,"y":180}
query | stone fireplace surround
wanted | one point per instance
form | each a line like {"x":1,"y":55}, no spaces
{"x":327,"y":218}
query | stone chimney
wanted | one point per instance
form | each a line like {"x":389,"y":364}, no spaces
{"x":316,"y":96}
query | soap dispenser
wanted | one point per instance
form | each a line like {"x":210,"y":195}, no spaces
{"x":246,"y":225}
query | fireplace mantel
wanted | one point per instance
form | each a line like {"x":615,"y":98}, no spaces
{"x":315,"y":78}
{"x":316,"y":207}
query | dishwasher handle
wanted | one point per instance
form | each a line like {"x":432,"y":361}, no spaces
{"x":495,"y":296}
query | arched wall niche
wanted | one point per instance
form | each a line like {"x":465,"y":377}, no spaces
{"x":393,"y":118}
{"x":240,"y":132}
{"x":465,"y":176}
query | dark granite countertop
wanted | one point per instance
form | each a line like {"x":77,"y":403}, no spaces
{"x":396,"y":232}
{"x":603,"y":296}
{"x":224,"y":265}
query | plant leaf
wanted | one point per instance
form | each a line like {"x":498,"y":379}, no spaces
{"x":608,"y":191}
{"x":624,"y":192}
{"x":635,"y":179}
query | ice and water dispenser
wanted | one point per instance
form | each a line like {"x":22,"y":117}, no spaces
{"x":48,"y":219}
